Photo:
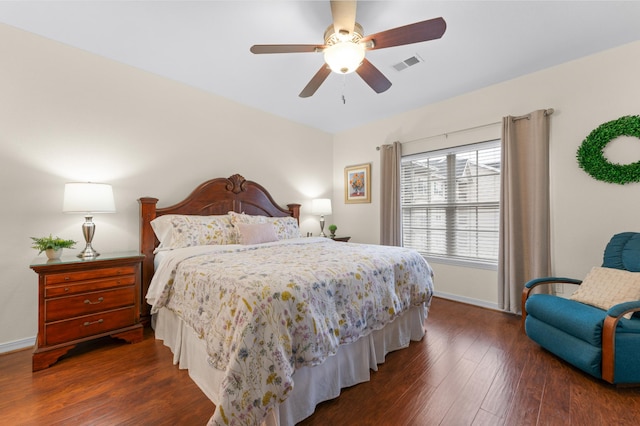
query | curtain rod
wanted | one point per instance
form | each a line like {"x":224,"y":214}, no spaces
{"x":547,"y":111}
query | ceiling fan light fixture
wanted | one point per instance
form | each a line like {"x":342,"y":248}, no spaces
{"x":344,"y":57}
{"x":344,"y":46}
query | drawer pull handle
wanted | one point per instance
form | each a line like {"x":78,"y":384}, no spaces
{"x":89,"y":302}
{"x":87,"y":323}
{"x":66,"y":289}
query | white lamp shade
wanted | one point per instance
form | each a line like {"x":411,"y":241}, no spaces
{"x":88,"y":197}
{"x":321,"y":206}
{"x":344,"y":57}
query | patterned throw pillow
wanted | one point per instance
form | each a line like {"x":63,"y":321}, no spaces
{"x":607,"y":287}
{"x":178,"y":231}
{"x":285,"y":227}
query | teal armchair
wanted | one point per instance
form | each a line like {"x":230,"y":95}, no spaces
{"x":600,"y":342}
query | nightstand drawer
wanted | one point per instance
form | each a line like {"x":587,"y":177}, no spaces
{"x":89,"y":275}
{"x":77,"y":328}
{"x":88,"y":303}
{"x":84,"y":286}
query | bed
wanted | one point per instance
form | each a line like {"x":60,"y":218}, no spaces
{"x":269,"y":324}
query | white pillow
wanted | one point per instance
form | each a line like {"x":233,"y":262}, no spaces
{"x":177,"y":231}
{"x":256,"y":233}
{"x":607,"y":287}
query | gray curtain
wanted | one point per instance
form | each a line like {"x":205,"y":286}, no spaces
{"x":390,"y":220}
{"x":524,"y":251}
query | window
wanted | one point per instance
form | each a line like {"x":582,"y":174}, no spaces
{"x":450,"y":203}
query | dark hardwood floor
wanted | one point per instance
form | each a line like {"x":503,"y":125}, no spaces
{"x":474,"y":367}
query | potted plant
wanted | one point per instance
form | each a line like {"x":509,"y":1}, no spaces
{"x":52,"y":246}
{"x":333,"y":228}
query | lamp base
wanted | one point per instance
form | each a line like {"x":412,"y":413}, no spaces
{"x":88,"y":229}
{"x":88,"y":253}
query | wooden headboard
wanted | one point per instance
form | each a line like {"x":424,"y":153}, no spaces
{"x":213,"y":197}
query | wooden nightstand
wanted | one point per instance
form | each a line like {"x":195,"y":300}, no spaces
{"x":81,"y":300}
{"x":341,"y":239}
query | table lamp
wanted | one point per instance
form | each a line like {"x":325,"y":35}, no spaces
{"x":321,"y":206}
{"x":88,"y":198}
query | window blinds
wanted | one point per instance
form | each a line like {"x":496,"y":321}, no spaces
{"x":450,"y":202}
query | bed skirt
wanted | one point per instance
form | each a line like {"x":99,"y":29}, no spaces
{"x":312,"y":385}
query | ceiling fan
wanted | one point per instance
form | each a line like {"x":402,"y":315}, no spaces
{"x":345,"y":45}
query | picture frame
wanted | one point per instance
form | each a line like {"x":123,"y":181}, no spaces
{"x":357,"y":184}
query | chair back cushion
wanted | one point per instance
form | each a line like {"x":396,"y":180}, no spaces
{"x":623,"y":252}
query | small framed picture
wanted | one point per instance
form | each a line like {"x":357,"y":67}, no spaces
{"x":357,"y":184}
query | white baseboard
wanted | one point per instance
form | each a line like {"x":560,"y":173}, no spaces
{"x":17,"y":345}
{"x":467,"y":300}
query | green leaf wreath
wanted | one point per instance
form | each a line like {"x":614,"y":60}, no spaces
{"x":591,"y":153}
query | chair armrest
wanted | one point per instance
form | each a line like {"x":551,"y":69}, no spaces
{"x":530,"y":285}
{"x":551,"y":280}
{"x":623,"y":308}
{"x":609,"y":336}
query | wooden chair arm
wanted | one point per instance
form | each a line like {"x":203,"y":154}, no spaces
{"x":609,"y":340}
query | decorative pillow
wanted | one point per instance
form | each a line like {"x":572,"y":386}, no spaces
{"x":177,"y":231}
{"x":285,"y":227}
{"x":245,"y":218}
{"x":256,"y":233}
{"x":606,"y":287}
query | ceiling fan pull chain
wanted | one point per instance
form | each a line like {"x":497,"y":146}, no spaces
{"x":344,"y":84}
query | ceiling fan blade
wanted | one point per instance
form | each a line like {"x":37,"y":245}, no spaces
{"x":373,"y":77}
{"x":413,"y":33}
{"x":285,"y":48}
{"x":315,"y":82}
{"x":344,"y":15}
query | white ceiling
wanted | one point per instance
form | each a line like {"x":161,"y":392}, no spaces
{"x":205,"y":44}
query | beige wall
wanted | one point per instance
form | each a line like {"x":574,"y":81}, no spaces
{"x":584,"y":212}
{"x":66,"y":115}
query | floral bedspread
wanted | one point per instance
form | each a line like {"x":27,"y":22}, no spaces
{"x":265,"y":310}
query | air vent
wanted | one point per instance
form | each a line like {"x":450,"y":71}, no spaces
{"x":409,"y":62}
